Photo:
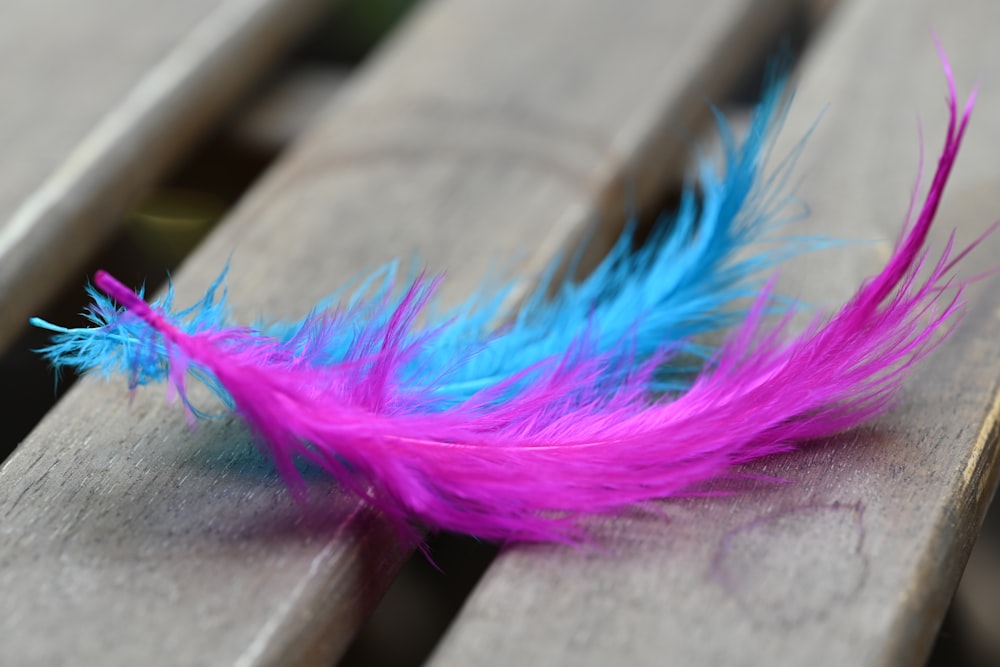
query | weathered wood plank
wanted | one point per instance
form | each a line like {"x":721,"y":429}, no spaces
{"x":100,"y":98}
{"x":854,"y":561}
{"x":482,"y":130}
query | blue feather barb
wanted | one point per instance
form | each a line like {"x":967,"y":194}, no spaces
{"x":693,"y":276}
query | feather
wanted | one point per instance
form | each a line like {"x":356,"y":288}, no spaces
{"x":526,"y":461}
{"x":684,"y":282}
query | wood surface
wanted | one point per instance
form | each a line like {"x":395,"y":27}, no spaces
{"x":854,"y":560}
{"x":482,"y":130}
{"x":101,"y":97}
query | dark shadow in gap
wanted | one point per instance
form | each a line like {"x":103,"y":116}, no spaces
{"x":421,"y":603}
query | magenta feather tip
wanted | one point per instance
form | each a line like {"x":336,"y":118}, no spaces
{"x":525,"y":461}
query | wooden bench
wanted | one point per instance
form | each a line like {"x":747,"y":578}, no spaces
{"x":480,"y":131}
{"x":102,"y":98}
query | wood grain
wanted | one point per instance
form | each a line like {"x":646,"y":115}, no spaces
{"x":482,"y":130}
{"x":854,"y":561}
{"x":101,"y":97}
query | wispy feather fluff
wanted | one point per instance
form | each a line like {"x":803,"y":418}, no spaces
{"x":526,"y":460}
{"x":689,"y":279}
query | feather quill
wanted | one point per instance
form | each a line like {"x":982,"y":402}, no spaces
{"x":525,"y":461}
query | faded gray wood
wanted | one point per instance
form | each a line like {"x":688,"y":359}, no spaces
{"x":482,"y":130}
{"x":854,"y":561}
{"x":101,"y":97}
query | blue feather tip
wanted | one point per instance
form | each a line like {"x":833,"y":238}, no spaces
{"x":692,"y":276}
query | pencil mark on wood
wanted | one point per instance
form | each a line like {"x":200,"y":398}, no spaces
{"x":811,"y":579}
{"x":501,"y":115}
{"x":465,"y":134}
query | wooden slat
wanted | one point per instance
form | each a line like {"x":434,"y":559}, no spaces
{"x":854,"y":561}
{"x":100,"y":98}
{"x":484,"y":129}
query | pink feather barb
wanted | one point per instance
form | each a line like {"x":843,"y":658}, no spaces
{"x":525,"y":461}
